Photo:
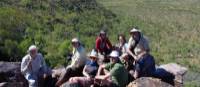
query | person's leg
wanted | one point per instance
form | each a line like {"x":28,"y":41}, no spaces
{"x":32,"y":80}
{"x":83,"y":81}
{"x":65,"y":75}
{"x":131,"y":76}
{"x":67,"y":84}
{"x":78,"y":71}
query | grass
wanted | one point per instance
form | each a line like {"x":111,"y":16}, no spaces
{"x":171,"y":25}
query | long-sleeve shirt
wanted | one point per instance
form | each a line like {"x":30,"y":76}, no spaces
{"x":103,"y":45}
{"x":143,"y":44}
{"x":36,"y":64}
{"x":79,"y":57}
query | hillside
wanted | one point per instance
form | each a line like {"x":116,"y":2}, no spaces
{"x":50,"y":24}
{"x":171,"y":25}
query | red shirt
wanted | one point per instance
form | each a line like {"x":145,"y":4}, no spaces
{"x":103,"y":44}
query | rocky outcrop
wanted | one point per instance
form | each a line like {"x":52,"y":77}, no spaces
{"x":174,"y":69}
{"x":11,"y":76}
{"x":148,"y":82}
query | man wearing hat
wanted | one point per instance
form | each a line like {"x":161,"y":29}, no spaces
{"x":138,"y":45}
{"x":138,"y":48}
{"x":103,"y":44}
{"x":116,"y":75}
{"x":33,"y":66}
{"x":77,"y":64}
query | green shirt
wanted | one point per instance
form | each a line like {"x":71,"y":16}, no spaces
{"x":119,"y":74}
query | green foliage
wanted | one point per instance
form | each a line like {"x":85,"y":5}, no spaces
{"x":50,"y":24}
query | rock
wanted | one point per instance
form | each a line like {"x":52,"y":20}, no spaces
{"x":148,"y":82}
{"x":11,"y":75}
{"x":56,"y":72}
{"x":174,"y":68}
{"x":177,"y":70}
{"x":12,"y":84}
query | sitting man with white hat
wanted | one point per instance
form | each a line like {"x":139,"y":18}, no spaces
{"x":138,"y":48}
{"x":77,"y":64}
{"x":138,"y":45}
{"x":33,"y":66}
{"x":115,"y":74}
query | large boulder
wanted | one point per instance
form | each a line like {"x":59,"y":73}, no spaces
{"x":11,"y":75}
{"x":148,"y":82}
{"x":172,"y":68}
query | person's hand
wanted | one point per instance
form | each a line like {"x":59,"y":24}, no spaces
{"x":44,"y":76}
{"x":136,"y":75}
{"x":30,"y":63}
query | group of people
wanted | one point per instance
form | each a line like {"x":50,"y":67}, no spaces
{"x":107,"y":65}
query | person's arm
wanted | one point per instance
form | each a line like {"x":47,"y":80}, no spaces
{"x":43,"y":66}
{"x":129,"y":49}
{"x":25,"y":65}
{"x":85,"y":72}
{"x":142,"y":53}
{"x":43,"y":63}
{"x":98,"y":42}
{"x":109,"y":45}
{"x":75,"y":61}
{"x":103,"y":77}
{"x":101,"y":67}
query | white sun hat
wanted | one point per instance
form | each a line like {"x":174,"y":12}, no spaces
{"x":102,"y":32}
{"x":75,"y":40}
{"x":93,"y":53}
{"x":32,"y":47}
{"x":114,"y":54}
{"x":134,"y":30}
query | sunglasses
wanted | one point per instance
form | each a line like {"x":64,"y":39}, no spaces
{"x":92,"y":57}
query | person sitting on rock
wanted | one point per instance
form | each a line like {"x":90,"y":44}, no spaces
{"x":122,"y":45}
{"x":77,"y":64}
{"x":136,"y":42}
{"x":112,"y":74}
{"x":34,"y":67}
{"x":145,"y":66}
{"x":89,"y":72}
{"x":103,"y":44}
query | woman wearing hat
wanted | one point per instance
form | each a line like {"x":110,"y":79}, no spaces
{"x":89,"y":72}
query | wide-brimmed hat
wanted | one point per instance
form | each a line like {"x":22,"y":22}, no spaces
{"x":75,"y":40}
{"x":102,"y":32}
{"x":114,"y":54}
{"x":134,"y":30}
{"x":93,"y":54}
